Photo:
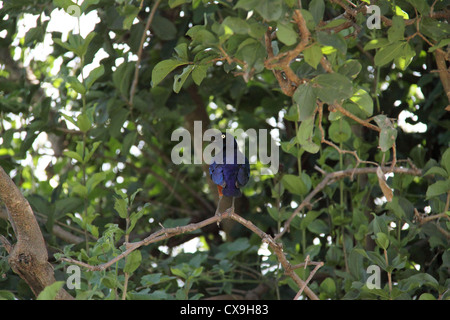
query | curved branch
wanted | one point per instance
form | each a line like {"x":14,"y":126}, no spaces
{"x":28,"y":256}
{"x":337,"y":175}
{"x":166,"y":233}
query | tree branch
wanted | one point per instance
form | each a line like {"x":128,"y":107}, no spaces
{"x":139,"y":54}
{"x":337,"y":175}
{"x":166,"y":233}
{"x":28,"y":256}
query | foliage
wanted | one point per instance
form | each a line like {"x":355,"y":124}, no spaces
{"x":91,"y":150}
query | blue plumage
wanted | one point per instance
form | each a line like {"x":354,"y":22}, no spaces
{"x":230,"y":175}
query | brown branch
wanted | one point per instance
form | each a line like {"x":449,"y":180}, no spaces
{"x":28,"y":256}
{"x":318,"y":265}
{"x":333,"y":177}
{"x":346,"y":113}
{"x":281,"y":62}
{"x":166,"y":233}
{"x":443,"y":70}
{"x":139,"y":54}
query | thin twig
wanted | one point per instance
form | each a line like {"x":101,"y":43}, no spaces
{"x":318,"y":265}
{"x":139,"y":54}
{"x":334,"y":176}
{"x":166,"y":233}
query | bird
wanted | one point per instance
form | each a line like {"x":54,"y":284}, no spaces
{"x":229,"y":175}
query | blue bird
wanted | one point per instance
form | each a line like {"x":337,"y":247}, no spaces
{"x":231,"y":174}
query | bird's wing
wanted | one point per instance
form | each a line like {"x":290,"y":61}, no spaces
{"x":216,"y":173}
{"x":243,"y":174}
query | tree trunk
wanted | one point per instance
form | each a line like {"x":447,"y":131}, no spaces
{"x":28,"y":257}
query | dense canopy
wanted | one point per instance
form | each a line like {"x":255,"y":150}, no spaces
{"x":350,"y":99}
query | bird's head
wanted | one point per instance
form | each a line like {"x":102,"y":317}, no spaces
{"x":228,"y":141}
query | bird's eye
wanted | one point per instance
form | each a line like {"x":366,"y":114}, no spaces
{"x":223,"y":136}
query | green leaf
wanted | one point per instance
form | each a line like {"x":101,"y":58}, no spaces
{"x":406,"y":57}
{"x":180,"y":79}
{"x":397,"y":30}
{"x":310,"y":23}
{"x":332,"y":87}
{"x":427,"y":296}
{"x":317,"y":9}
{"x":79,"y":44}
{"x":334,"y":40}
{"x":417,"y":281}
{"x":437,"y":171}
{"x":388,"y":53}
{"x":199,"y":73}
{"x":340,"y":131}
{"x":130,"y":12}
{"x":176,"y":3}
{"x":76,"y":85}
{"x":377,"y":259}
{"x":94,"y":180}
{"x":333,"y":23}
{"x":442,"y":43}
{"x":70,"y":119}
{"x":163,"y":68}
{"x":305,"y":100}
{"x":133,"y":261}
{"x":395,"y":207}
{"x":87,"y":3}
{"x":94,"y":75}
{"x":382,"y":240}
{"x":434,"y":28}
{"x":422,"y":6}
{"x":63,"y":3}
{"x":51,"y":291}
{"x":179,"y":273}
{"x":376,"y":43}
{"x":329,"y":286}
{"x":135,"y":216}
{"x":351,"y":68}
{"x":34,"y":35}
{"x":438,"y":188}
{"x":182,"y":51}
{"x":6,"y":295}
{"x":388,"y":133}
{"x":253,"y":52}
{"x":310,"y":217}
{"x":287,"y":34}
{"x":121,"y":207}
{"x":363,"y":99}
{"x":305,"y":134}
{"x":269,"y":10}
{"x":164,"y":28}
{"x":294,"y":184}
{"x":122,"y":77}
{"x":200,"y":35}
{"x":318,"y":227}
{"x":65,"y":45}
{"x":445,"y":161}
{"x":89,"y":153}
{"x":83,"y":122}
{"x":237,"y":25}
{"x":313,"y":55}
{"x":73,"y":155}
